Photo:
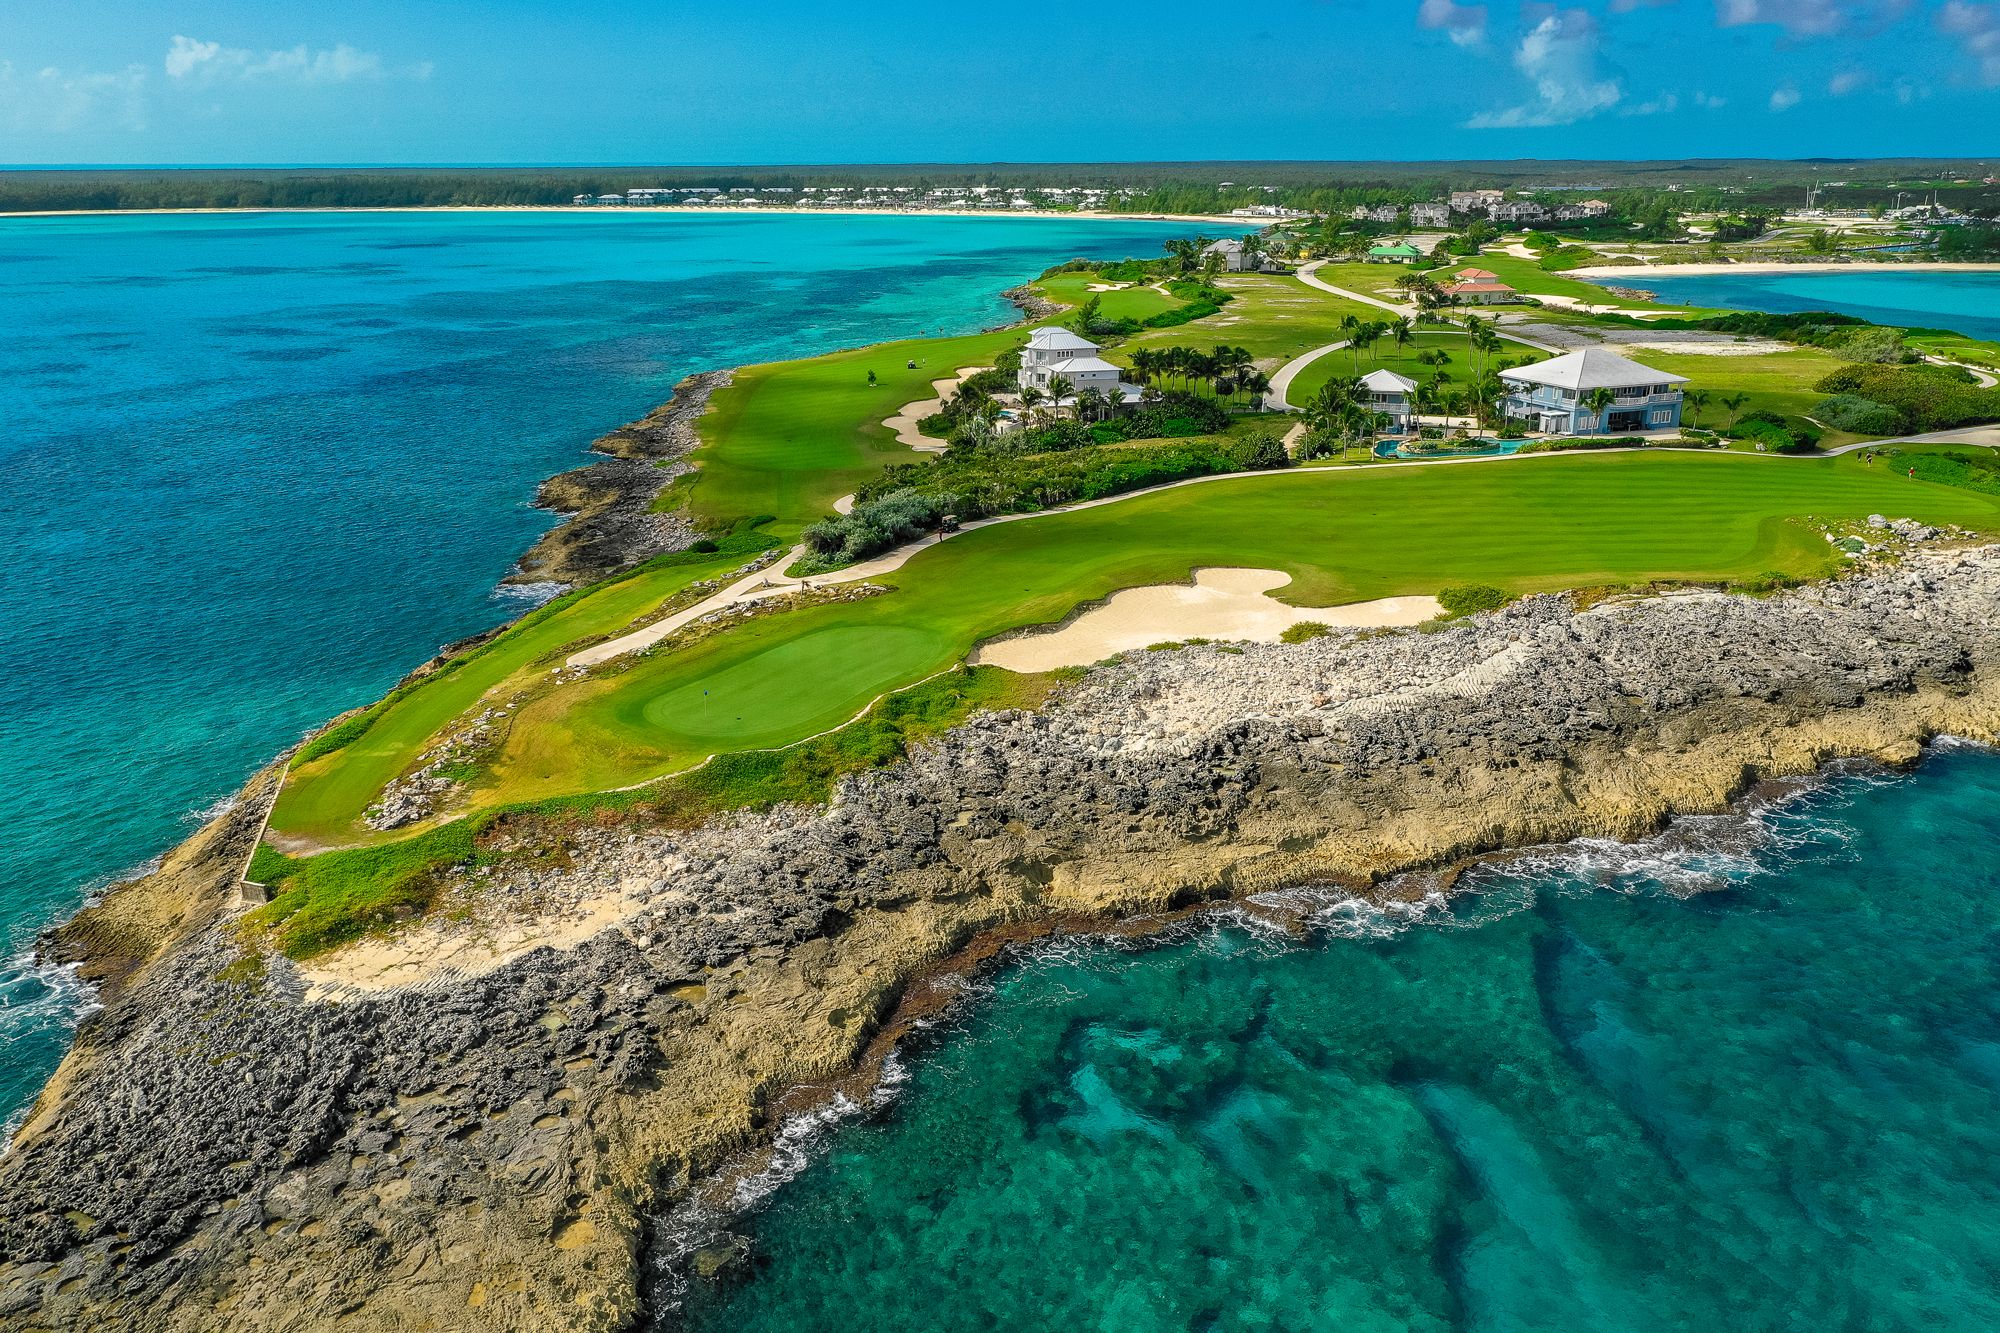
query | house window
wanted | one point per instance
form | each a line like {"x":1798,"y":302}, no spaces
{"x":1663,"y":418}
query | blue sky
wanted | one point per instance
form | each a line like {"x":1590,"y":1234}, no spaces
{"x":804,"y":81}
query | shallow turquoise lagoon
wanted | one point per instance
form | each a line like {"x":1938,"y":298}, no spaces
{"x":1743,"y":1076}
{"x":255,"y":467}
{"x":1967,"y":303}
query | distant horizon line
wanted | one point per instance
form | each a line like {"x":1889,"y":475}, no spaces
{"x":1541,"y":162}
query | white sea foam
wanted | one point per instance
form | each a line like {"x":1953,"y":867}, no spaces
{"x":39,"y":1002}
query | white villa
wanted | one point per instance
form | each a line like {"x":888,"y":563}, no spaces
{"x":1055,"y":351}
{"x":1553,"y":397}
{"x":1235,"y":257}
{"x":1390,"y":394}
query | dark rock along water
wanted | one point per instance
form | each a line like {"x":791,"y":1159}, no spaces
{"x":256,"y":467}
{"x":1745,"y":1075}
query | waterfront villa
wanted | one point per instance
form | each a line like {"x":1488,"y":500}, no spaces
{"x":1391,"y":395}
{"x":1053,"y":352}
{"x":1558,"y":397}
{"x":1476,"y":286}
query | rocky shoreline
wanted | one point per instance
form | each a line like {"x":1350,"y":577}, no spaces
{"x":612,"y":524}
{"x":467,"y":1124}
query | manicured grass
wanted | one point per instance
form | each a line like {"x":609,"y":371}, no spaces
{"x":325,"y":794}
{"x":1527,"y":276}
{"x":1274,"y":315}
{"x":1137,"y":301}
{"x":325,"y":901}
{"x":1521,"y":525}
{"x":789,"y":438}
{"x":1377,"y":280}
{"x":1779,"y":382}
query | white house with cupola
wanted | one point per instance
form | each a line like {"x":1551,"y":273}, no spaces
{"x":1054,"y":353}
{"x":1561,"y":396}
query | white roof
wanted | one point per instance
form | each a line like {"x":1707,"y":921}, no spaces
{"x":1591,"y":368}
{"x":1387,"y":381}
{"x":1059,"y":340}
{"x":1223,"y":247}
{"x":1077,"y":365}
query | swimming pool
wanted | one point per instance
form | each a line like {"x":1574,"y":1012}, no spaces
{"x":1474,"y":448}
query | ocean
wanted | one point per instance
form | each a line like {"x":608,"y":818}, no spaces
{"x":1744,"y":1075}
{"x":1967,"y":303}
{"x":256,"y":467}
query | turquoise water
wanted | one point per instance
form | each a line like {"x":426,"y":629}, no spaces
{"x":256,"y":467}
{"x":1967,"y":303}
{"x":1485,"y":449}
{"x":1584,"y":1097}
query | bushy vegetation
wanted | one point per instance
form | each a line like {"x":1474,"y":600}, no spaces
{"x":1466,"y":599}
{"x":1777,"y":434}
{"x":1973,"y":470}
{"x":1861,"y":416}
{"x":1568,"y":443}
{"x":874,"y":526}
{"x":1980,"y":241}
{"x":1305,"y":631}
{"x":984,"y":482}
{"x":328,"y":900}
{"x":1926,"y":397}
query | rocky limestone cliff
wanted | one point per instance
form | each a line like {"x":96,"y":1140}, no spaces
{"x":464,"y":1126}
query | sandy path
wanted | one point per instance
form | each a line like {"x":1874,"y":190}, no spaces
{"x":904,"y":423}
{"x":1281,"y":382}
{"x":1231,"y":604}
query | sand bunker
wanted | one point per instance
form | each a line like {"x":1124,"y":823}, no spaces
{"x":905,"y":422}
{"x":1219,"y":604}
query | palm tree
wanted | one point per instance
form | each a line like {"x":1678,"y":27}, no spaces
{"x":1060,"y":387}
{"x":1031,"y":400}
{"x":1145,"y":363}
{"x":1696,"y":400}
{"x":1184,"y":252}
{"x":1734,"y":405}
{"x":1090,"y":401}
{"x":1598,"y":402}
{"x":1401,"y":331}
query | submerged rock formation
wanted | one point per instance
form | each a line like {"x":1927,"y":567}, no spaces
{"x":463,"y":1125}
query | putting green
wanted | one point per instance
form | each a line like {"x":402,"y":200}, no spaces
{"x":1528,"y":524}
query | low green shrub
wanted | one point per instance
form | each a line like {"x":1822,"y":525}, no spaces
{"x":1862,"y":416}
{"x":874,"y":526}
{"x":1305,"y":631}
{"x":1466,"y":599}
{"x":1928,"y":397}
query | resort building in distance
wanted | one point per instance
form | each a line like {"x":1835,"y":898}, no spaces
{"x":1391,"y":395}
{"x":1593,"y":392}
{"x":1054,"y":353}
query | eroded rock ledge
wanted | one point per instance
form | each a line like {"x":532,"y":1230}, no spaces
{"x":463,"y":1127}
{"x":612,"y":524}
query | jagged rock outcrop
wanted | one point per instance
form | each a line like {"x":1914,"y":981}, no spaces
{"x":612,"y":524}
{"x":463,"y":1126}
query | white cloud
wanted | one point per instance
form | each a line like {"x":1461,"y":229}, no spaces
{"x":1709,"y":101}
{"x":1664,"y":104}
{"x":1784,"y":97}
{"x":1559,"y":58}
{"x":1800,"y":18}
{"x":200,"y":63}
{"x":58,"y":101}
{"x":1464,"y":24}
{"x":1850,"y":80}
{"x":1977,"y":28}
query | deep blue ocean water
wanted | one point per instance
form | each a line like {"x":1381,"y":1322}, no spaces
{"x":1743,"y":1076}
{"x":1967,"y":303}
{"x":256,"y":467}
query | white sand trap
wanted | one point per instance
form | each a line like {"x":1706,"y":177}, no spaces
{"x":1231,"y":604}
{"x":1668,"y":347}
{"x":904,"y":423}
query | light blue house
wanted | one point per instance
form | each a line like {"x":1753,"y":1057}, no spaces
{"x":1554,"y":397}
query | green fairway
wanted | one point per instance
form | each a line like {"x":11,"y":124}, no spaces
{"x":1529,"y":524}
{"x":1780,"y":382}
{"x":1385,"y":355}
{"x":325,"y":796}
{"x":1274,"y":315}
{"x":1133,"y":301}
{"x":789,"y":438}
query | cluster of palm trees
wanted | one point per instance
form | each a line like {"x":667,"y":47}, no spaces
{"x":1062,"y":397}
{"x":1228,"y":371}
